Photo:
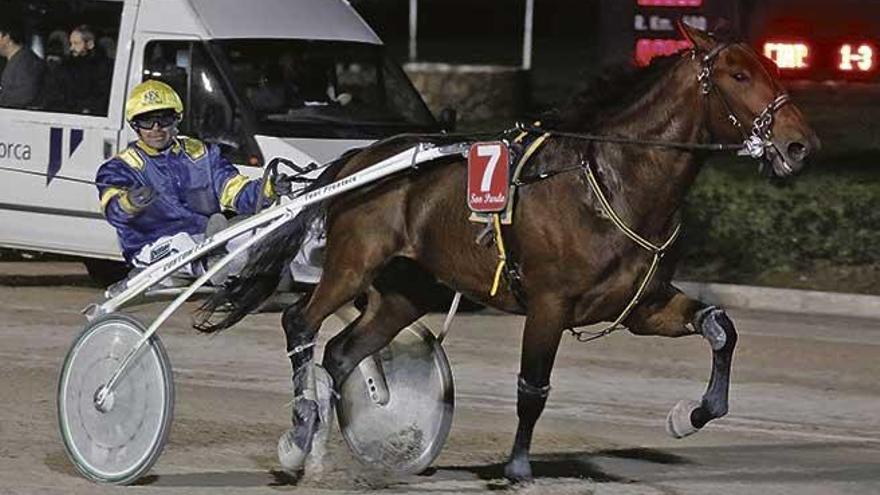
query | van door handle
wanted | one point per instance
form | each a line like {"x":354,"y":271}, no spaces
{"x":109,"y":144}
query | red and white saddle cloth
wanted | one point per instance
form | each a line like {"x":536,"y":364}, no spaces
{"x":491,"y":185}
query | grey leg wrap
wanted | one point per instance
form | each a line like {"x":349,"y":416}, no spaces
{"x":717,"y":328}
{"x":688,"y":416}
{"x":708,"y":322}
{"x":300,"y":350}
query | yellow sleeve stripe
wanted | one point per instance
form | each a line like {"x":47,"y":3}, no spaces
{"x":124,"y":203}
{"x":268,"y":189}
{"x":110,"y":193}
{"x":231,"y":190}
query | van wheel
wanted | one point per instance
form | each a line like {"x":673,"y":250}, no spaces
{"x":106,"y":272}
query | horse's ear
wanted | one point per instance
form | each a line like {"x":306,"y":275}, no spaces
{"x":700,"y":39}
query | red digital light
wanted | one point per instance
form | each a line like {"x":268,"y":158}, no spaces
{"x":670,"y":3}
{"x":788,"y":55}
{"x":856,"y":58}
{"x":647,"y":49}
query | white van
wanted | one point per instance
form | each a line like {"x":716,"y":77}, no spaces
{"x":232,"y":62}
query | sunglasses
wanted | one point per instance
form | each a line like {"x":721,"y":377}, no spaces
{"x":148,"y":121}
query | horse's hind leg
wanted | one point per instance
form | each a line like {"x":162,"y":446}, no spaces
{"x":669,"y":316}
{"x":400,"y":295}
{"x":385,"y":315}
{"x":349,"y":269}
{"x":541,"y":335}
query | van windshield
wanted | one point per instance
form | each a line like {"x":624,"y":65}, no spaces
{"x":308,"y":88}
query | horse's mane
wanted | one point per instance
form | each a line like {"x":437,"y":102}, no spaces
{"x":613,"y":90}
{"x":618,"y":86}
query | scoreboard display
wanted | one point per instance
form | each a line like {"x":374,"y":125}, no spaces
{"x":820,"y":40}
{"x":654,"y":21}
{"x":814,"y":40}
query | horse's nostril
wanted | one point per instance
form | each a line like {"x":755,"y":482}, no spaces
{"x":797,"y":151}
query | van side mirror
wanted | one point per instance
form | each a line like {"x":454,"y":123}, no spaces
{"x":447,"y":119}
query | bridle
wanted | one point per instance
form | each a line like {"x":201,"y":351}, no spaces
{"x":758,"y":139}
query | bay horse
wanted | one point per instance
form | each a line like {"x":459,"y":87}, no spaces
{"x":390,"y":241}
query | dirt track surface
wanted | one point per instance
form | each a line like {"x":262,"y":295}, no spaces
{"x":804,"y":419}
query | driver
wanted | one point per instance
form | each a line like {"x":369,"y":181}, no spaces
{"x":162,"y":190}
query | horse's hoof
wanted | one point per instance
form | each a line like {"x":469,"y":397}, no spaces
{"x":517,"y":471}
{"x":290,"y":455}
{"x":678,"y":421}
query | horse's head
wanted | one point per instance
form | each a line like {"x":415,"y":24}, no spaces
{"x":747,"y":103}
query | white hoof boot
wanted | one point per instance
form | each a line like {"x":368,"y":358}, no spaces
{"x":678,"y":422}
{"x":291,"y":457}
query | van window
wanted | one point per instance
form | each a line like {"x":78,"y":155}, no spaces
{"x":210,"y":110}
{"x":73,"y":81}
{"x":324,"y":89}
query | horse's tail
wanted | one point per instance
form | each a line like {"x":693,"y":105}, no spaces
{"x":267,"y":261}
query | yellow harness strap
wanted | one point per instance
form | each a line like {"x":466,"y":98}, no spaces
{"x":496,"y":217}
{"x":502,"y":254}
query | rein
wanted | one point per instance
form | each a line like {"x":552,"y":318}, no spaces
{"x":601,"y":138}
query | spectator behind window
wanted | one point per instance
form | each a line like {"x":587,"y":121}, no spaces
{"x":82,"y":82}
{"x":22,"y":77}
{"x":57,"y":45}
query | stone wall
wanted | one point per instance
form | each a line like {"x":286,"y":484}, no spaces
{"x":476,"y":92}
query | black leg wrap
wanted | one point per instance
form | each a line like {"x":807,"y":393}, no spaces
{"x":523,"y":387}
{"x":700,"y":416}
{"x":529,"y":405}
{"x":300,"y":340}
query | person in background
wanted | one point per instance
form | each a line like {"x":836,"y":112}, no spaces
{"x":161,"y":191}
{"x":22,"y":78}
{"x":84,"y":77}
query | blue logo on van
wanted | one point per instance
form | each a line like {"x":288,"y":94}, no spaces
{"x":56,"y":135}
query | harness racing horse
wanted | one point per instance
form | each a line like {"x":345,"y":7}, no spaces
{"x":577,"y":265}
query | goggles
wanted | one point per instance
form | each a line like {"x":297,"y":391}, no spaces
{"x":147,"y":121}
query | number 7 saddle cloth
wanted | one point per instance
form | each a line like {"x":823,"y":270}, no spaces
{"x":522,"y":145}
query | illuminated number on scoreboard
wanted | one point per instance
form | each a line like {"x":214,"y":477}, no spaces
{"x":861,"y":58}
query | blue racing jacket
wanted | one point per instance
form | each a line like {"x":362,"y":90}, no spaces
{"x":192,"y":181}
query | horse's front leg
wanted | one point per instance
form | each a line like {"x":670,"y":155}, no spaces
{"x":543,"y":329}
{"x":669,"y":315}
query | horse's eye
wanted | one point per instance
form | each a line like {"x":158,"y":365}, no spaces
{"x":741,"y":76}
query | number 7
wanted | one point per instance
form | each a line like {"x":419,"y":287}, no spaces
{"x":493,"y":151}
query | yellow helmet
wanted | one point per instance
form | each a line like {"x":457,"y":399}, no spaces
{"x":150,"y":96}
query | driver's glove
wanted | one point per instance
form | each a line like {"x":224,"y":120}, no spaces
{"x":140,"y":197}
{"x":282,"y":184}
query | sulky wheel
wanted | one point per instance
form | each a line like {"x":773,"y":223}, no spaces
{"x":116,"y":441}
{"x":395,"y":409}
